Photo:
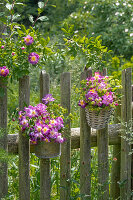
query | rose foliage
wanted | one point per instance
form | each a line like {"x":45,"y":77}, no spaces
{"x":23,"y":51}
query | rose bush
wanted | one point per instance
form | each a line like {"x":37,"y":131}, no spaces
{"x":23,"y":51}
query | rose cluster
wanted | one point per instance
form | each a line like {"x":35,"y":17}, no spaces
{"x":4,"y":71}
{"x":40,"y":124}
{"x":98,"y":93}
{"x":33,"y":57}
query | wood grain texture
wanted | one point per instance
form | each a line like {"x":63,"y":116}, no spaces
{"x":65,"y":159}
{"x":126,"y":114}
{"x":45,"y":178}
{"x":85,"y":150}
{"x":115,"y":171}
{"x":103,"y":166}
{"x":24,"y":146}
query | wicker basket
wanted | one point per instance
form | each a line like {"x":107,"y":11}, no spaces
{"x":98,"y":119}
{"x":47,"y":149}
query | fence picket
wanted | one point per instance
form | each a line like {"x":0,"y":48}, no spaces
{"x":103,"y":167}
{"x":115,"y":171}
{"x":3,"y":139}
{"x":24,"y":146}
{"x":45,"y":178}
{"x":65,"y":159}
{"x":85,"y":150}
{"x":126,"y":114}
{"x":103,"y":171}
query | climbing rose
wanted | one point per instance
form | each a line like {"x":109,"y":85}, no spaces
{"x":4,"y":71}
{"x":28,"y":40}
{"x":33,"y":58}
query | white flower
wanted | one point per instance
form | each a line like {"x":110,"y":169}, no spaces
{"x":131,"y":34}
{"x":126,"y":30}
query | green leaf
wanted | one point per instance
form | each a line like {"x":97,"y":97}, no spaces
{"x":47,"y":40}
{"x":40,"y":11}
{"x":2,"y":13}
{"x":20,"y":33}
{"x":3,"y":19}
{"x":23,"y":28}
{"x":43,"y":41}
{"x":64,"y":30}
{"x":53,"y":6}
{"x":15,"y":16}
{"x":43,"y":18}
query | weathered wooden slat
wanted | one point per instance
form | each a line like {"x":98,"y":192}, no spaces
{"x":65,"y":159}
{"x":3,"y":139}
{"x":103,"y":167}
{"x":24,"y":147}
{"x":115,"y":171}
{"x":103,"y":171}
{"x":126,"y":115}
{"x":114,"y":138}
{"x":85,"y":150}
{"x":45,"y":178}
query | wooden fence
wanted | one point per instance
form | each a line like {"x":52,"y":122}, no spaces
{"x":83,"y":138}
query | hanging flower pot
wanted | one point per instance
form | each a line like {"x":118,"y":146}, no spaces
{"x":99,"y":96}
{"x":98,"y":119}
{"x":47,"y":149}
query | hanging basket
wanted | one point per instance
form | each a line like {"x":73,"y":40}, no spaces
{"x":98,"y":119}
{"x":47,"y":149}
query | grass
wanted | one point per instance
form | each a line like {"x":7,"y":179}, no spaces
{"x":13,"y":176}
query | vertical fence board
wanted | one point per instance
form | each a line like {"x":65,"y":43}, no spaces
{"x":45,"y":177}
{"x":24,"y":147}
{"x":125,"y":189}
{"x":65,"y":159}
{"x":85,"y":150}
{"x":115,"y":171}
{"x":3,"y":140}
{"x":103,"y":171}
{"x":103,"y":167}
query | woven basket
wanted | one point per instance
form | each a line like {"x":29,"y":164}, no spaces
{"x":47,"y":149}
{"x":98,"y":119}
